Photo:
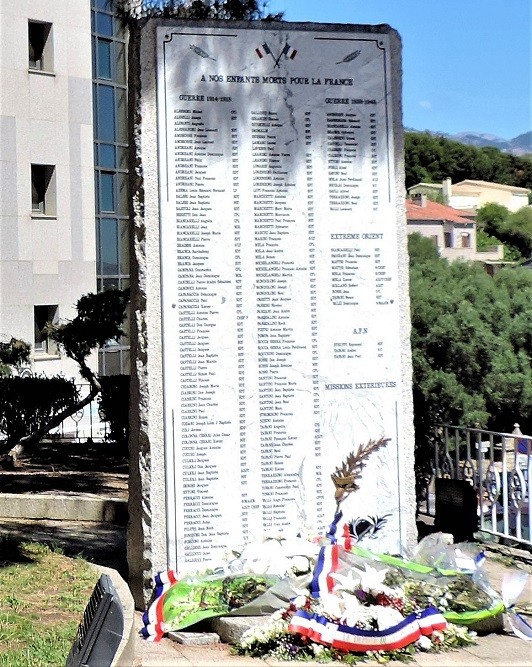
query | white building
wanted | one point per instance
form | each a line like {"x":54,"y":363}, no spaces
{"x":452,"y":231}
{"x":470,"y":195}
{"x":63,"y":190}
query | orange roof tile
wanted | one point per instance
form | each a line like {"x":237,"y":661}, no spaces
{"x":434,"y":211}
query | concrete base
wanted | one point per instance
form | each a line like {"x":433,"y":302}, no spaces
{"x":57,"y":507}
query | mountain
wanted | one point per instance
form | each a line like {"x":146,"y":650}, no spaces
{"x":520,"y":145}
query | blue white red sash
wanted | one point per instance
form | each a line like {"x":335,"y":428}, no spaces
{"x":324,"y":631}
{"x":152,"y":618}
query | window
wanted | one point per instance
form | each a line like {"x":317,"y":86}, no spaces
{"x":40,"y":52}
{"x":43,"y":189}
{"x":105,"y":113}
{"x":107,"y":191}
{"x":42,"y":315}
{"x":465,"y":240}
{"x":111,"y":166}
{"x":448,"y":239}
{"x":104,"y":58}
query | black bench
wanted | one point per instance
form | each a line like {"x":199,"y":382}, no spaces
{"x":101,"y":629}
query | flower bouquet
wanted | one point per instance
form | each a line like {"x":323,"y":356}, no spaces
{"x":180,"y":603}
{"x":360,"y":615}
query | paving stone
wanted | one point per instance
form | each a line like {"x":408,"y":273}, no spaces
{"x":194,"y":638}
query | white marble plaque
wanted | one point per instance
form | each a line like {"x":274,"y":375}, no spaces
{"x":280,"y":300}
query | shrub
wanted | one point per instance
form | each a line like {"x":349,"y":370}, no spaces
{"x":26,"y":404}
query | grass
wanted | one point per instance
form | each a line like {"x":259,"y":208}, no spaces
{"x":42,"y":598}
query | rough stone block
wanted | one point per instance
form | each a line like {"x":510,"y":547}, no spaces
{"x":231,"y":628}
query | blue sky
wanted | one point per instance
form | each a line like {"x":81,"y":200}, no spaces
{"x":466,"y":63}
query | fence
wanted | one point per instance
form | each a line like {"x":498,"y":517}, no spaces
{"x":498,"y":466}
{"x":84,"y":424}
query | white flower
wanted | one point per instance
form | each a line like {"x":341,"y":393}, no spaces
{"x":424,"y":643}
{"x":279,"y":565}
{"x":371,"y":581}
{"x":318,"y":648}
{"x":272,"y":628}
{"x":386,"y":617}
{"x":347,"y":582}
{"x":299,"y":564}
{"x":299,"y":601}
{"x":354,"y":612}
{"x":331,"y":605}
{"x":437,"y":636}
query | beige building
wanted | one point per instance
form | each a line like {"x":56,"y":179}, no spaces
{"x":452,"y":231}
{"x":47,"y":207}
{"x":470,"y":195}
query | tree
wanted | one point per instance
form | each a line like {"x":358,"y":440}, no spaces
{"x":421,"y":249}
{"x":514,"y":230}
{"x":13,"y":354}
{"x":519,"y":227}
{"x":99,"y":319}
{"x":471,"y":349}
{"x":239,"y":10}
{"x":430,"y":159}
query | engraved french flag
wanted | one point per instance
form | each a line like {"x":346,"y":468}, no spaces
{"x":261,"y":51}
{"x":289,"y":52}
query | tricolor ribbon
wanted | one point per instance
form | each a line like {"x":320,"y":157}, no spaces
{"x":329,"y":558}
{"x":320,"y":629}
{"x":152,"y":618}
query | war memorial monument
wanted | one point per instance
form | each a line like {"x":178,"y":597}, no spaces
{"x":270,"y":287}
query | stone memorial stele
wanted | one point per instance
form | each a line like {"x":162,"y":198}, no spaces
{"x":270,"y":287}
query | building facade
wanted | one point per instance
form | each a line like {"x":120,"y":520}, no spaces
{"x":451,"y":230}
{"x":47,"y":233}
{"x":63,"y":177}
{"x":109,"y":62}
{"x":470,"y":195}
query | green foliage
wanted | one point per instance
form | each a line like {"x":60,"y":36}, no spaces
{"x":421,"y":249}
{"x":26,"y":404}
{"x":514,"y":230}
{"x":113,"y":403}
{"x":99,"y":319}
{"x":239,"y":10}
{"x":491,"y":217}
{"x":519,"y":230}
{"x":485,"y":241}
{"x":13,"y":354}
{"x":31,"y":407}
{"x":471,"y":348}
{"x":430,"y":159}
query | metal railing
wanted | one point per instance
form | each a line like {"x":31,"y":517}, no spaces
{"x":82,"y":425}
{"x":498,"y":466}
